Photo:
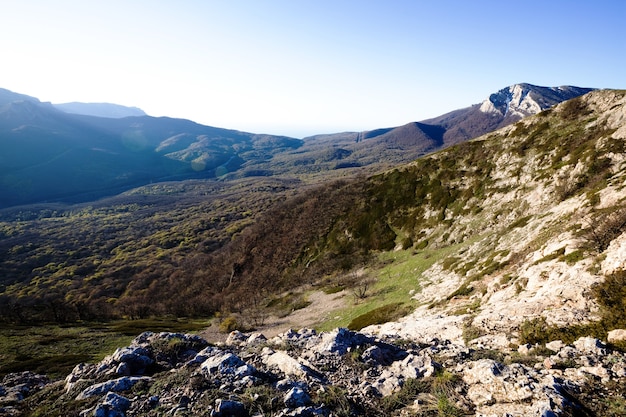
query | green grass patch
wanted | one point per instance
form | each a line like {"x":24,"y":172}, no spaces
{"x":54,"y":349}
{"x":573,"y":257}
{"x":135,"y":327}
{"x":398,"y":277}
{"x":554,"y":255}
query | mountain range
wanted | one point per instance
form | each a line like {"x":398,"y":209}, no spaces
{"x":77,"y":152}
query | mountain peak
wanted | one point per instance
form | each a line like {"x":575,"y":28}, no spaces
{"x":521,"y":100}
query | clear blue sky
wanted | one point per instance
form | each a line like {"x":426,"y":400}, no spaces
{"x":298,"y":67}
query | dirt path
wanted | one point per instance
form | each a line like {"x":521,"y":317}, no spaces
{"x":321,"y":307}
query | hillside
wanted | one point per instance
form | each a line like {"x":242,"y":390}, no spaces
{"x":50,"y":155}
{"x":371,"y":151}
{"x":490,"y":199}
{"x":72,"y":156}
{"x":506,"y":252}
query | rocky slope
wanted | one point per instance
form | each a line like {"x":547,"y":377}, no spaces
{"x":337,"y":373}
{"x":550,"y":225}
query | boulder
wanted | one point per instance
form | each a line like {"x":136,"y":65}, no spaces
{"x":135,"y":358}
{"x":114,"y":385}
{"x":616,"y":336}
{"x":116,"y":401}
{"x":236,"y":338}
{"x":114,"y":405}
{"x":590,"y":345}
{"x":227,"y":363}
{"x":415,"y":366}
{"x":297,"y":397}
{"x":256,"y":339}
{"x":491,"y":382}
{"x":341,"y":341}
{"x":229,"y":408}
{"x":289,"y":366}
{"x":555,"y":345}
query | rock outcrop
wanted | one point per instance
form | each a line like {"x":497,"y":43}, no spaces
{"x":341,"y":372}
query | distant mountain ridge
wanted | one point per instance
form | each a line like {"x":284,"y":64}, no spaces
{"x":504,"y":107}
{"x":50,"y":153}
{"x":396,"y":145}
{"x":7,"y":96}
{"x":108,"y":110}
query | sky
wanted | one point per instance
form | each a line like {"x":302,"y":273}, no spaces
{"x":304,"y":67}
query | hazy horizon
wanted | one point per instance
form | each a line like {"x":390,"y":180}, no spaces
{"x":303,"y":68}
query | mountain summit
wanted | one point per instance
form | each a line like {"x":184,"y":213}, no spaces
{"x":521,"y":100}
{"x":502,"y":108}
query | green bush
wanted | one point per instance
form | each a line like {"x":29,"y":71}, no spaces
{"x":573,"y":257}
{"x":379,"y":315}
{"x":229,"y":324}
{"x":611,"y":295}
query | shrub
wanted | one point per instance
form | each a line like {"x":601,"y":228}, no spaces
{"x":611,"y":295}
{"x":229,"y":324}
{"x":262,"y":400}
{"x":602,"y":229}
{"x":573,"y":257}
{"x":379,"y":315}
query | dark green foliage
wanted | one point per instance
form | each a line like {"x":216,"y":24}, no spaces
{"x":538,"y":331}
{"x":379,"y":315}
{"x":611,"y":295}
